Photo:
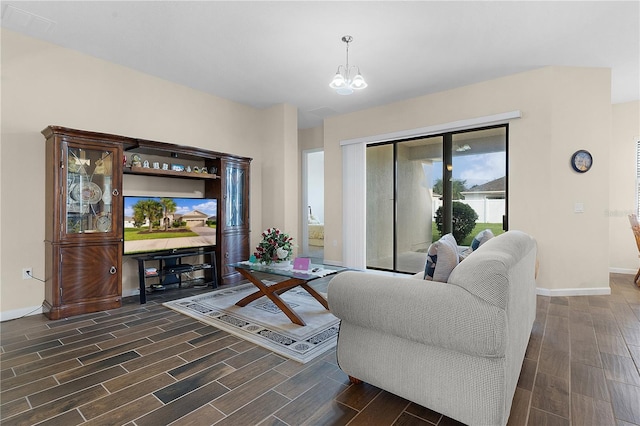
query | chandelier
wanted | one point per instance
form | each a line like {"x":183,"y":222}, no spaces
{"x":347,"y":78}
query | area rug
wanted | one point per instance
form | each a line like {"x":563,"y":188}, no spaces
{"x":263,"y":323}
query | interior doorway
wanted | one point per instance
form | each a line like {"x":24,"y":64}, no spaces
{"x":313,"y":205}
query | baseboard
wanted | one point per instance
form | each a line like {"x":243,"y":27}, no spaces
{"x":554,"y":292}
{"x":19,"y":313}
{"x":623,"y":271}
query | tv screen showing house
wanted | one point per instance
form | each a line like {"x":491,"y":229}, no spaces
{"x":168,"y":223}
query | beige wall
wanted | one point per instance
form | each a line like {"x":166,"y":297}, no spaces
{"x":563,"y":109}
{"x":44,"y":84}
{"x":280,"y":167}
{"x":310,"y":139}
{"x":622,"y":186}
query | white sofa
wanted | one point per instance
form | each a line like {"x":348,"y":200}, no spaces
{"x":457,"y":347}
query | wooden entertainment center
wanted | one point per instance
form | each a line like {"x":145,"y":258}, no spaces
{"x":84,"y":228}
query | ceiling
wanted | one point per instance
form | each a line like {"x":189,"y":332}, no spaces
{"x":264,"y":53}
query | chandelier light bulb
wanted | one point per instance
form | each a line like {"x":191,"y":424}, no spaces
{"x":358,"y":82}
{"x":338,"y":81}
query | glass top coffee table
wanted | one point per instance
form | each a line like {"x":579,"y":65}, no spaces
{"x":294,"y":279}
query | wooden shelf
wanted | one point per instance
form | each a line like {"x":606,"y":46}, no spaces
{"x":169,"y":173}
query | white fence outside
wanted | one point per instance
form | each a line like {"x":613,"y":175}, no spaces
{"x":488,"y":210}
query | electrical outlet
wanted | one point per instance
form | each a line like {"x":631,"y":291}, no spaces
{"x":27,"y":273}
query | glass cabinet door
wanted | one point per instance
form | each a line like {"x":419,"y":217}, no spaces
{"x":234,"y":193}
{"x":89,"y":203}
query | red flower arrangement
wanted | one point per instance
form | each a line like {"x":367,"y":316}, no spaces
{"x":276,"y":246}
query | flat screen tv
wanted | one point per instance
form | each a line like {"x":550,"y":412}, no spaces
{"x":168,"y":223}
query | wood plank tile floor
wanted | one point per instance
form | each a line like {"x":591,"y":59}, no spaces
{"x":147,"y":365}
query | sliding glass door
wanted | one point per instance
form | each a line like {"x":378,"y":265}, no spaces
{"x":411,"y":182}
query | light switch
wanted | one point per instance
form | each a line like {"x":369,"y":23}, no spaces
{"x":578,"y":208}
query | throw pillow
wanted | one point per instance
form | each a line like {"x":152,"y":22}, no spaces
{"x":442,"y":257}
{"x":478,"y":240}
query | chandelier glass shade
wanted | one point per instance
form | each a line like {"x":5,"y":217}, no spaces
{"x":347,"y":78}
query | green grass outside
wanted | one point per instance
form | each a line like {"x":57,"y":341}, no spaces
{"x":496,"y":228}
{"x":133,"y":234}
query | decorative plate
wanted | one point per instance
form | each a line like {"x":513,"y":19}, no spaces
{"x":103,"y":223}
{"x":87,"y":192}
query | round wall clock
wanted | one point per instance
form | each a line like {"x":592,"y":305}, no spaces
{"x":581,"y":161}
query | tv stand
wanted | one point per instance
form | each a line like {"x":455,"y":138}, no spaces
{"x":170,"y":270}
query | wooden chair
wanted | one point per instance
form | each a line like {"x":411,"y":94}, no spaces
{"x":635,"y":227}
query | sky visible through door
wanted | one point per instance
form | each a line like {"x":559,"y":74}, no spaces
{"x":474,"y":169}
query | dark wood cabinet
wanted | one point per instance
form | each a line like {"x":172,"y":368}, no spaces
{"x":89,"y":279}
{"x":83,"y":231}
{"x":234,"y":248}
{"x":84,"y":212}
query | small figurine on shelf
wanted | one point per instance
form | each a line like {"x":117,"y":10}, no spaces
{"x":145,"y":164}
{"x":136,"y":161}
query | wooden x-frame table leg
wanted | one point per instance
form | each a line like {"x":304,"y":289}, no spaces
{"x":274,"y":291}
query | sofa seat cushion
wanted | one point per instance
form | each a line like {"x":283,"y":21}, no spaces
{"x":442,"y":257}
{"x":435,"y":314}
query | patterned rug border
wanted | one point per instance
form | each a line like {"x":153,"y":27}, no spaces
{"x":301,"y":344}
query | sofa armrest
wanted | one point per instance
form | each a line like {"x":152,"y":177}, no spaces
{"x":500,"y":266}
{"x":427,"y":312}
